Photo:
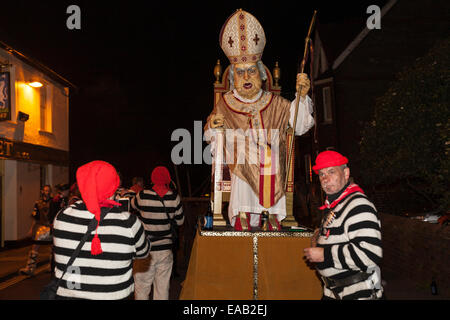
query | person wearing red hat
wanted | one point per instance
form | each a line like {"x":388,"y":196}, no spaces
{"x":159,"y":208}
{"x":103,"y":268}
{"x":347,"y":247}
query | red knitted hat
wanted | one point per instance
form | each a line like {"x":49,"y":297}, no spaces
{"x":328,"y":159}
{"x":161,"y":180}
{"x":97,"y":181}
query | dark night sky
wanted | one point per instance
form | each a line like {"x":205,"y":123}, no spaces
{"x":144,"y":69}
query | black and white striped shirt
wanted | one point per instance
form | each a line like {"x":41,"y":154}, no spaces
{"x":107,"y":276}
{"x":353,"y":245}
{"x":154,"y":217}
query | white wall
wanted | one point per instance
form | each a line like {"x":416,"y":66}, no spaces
{"x":10,"y":196}
{"x":28,"y":180}
{"x":20,"y":191}
{"x":57,"y":175}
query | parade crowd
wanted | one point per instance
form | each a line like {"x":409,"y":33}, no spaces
{"x":123,"y":225}
{"x":130,"y":224}
{"x":119,"y":242}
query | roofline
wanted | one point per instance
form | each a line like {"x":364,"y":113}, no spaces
{"x":360,"y":37}
{"x":43,"y":68}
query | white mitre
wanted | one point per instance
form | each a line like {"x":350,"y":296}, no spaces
{"x":242,"y":38}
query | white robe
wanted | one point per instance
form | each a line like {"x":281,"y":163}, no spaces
{"x":242,"y":197}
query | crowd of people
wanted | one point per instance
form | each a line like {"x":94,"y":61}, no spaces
{"x":139,"y":223}
{"x":131,"y":248}
{"x":44,"y":211}
{"x":134,"y":223}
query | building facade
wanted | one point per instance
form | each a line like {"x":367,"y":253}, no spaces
{"x":34,"y":137}
{"x":353,"y":66}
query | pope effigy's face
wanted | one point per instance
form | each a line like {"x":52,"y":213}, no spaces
{"x":247,"y":79}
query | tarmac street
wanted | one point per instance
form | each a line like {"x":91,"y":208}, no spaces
{"x":13,"y":259}
{"x":14,"y":286}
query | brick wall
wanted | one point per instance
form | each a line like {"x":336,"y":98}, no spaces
{"x":416,"y":250}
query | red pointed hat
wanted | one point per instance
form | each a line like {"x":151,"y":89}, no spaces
{"x":161,"y":179}
{"x":328,"y":159}
{"x":97,"y":181}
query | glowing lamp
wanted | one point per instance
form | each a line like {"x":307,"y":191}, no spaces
{"x":35,"y":84}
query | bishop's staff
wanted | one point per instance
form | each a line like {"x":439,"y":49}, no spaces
{"x":218,"y":173}
{"x":302,"y":67}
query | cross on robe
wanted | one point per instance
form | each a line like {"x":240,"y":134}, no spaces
{"x":230,"y":41}
{"x":256,"y":39}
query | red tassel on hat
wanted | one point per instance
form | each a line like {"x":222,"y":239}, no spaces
{"x":96,"y":247}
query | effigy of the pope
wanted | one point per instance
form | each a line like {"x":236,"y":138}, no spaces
{"x":254,"y":249}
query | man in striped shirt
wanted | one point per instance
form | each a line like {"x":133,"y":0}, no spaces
{"x":103,"y":268}
{"x":157,"y":207}
{"x":347,"y":247}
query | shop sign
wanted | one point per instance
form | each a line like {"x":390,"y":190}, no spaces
{"x":27,"y":151}
{"x":5,"y":96}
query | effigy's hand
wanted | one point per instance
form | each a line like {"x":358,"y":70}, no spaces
{"x":216,"y":121}
{"x":303,"y":81}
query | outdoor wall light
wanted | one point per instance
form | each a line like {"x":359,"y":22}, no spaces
{"x":35,"y":84}
{"x":22,"y":116}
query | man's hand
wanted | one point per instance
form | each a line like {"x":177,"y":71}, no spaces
{"x":217,"y":120}
{"x":303,"y":81}
{"x":314,"y":238}
{"x":314,"y":254}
